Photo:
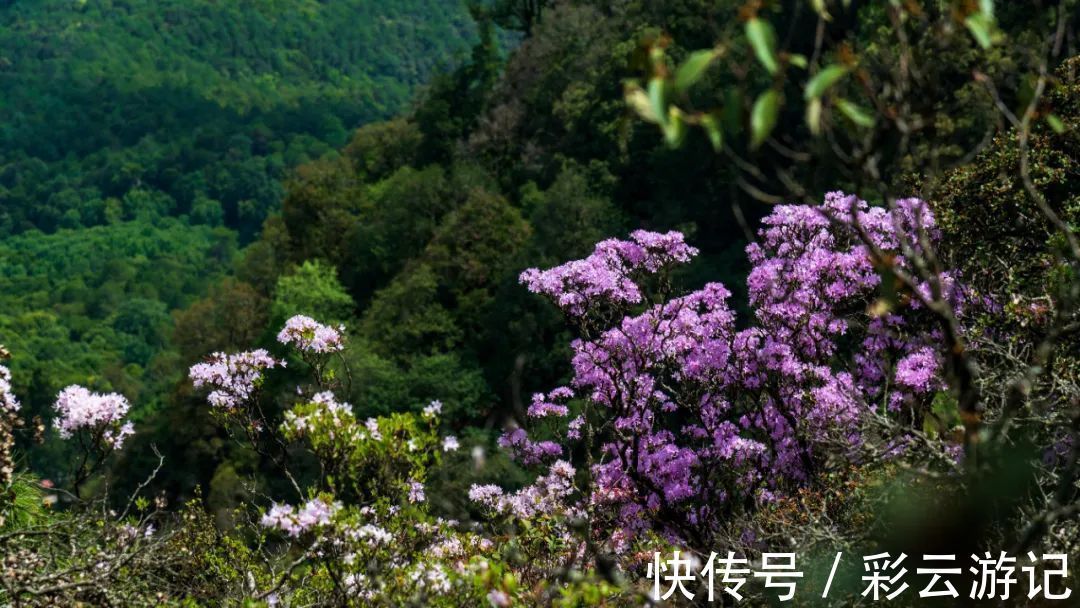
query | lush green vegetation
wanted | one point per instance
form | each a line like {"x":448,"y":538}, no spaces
{"x":181,"y":179}
{"x":140,"y":142}
{"x":202,"y":105}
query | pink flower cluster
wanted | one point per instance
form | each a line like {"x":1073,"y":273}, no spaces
{"x":232,"y":378}
{"x":314,"y":514}
{"x":547,"y":495}
{"x":608,"y":274}
{"x":552,"y":404}
{"x":432,"y":409}
{"x":329,"y":414}
{"x":811,"y":269}
{"x":310,"y":336}
{"x":703,"y":414}
{"x":527,"y":451}
{"x":7,"y":398}
{"x":416,"y":492}
{"x":77,"y":409}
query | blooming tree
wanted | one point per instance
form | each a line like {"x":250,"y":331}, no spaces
{"x":360,"y":531}
{"x":96,"y":422}
{"x":685,"y":415}
{"x":9,"y":420}
{"x":102,"y":415}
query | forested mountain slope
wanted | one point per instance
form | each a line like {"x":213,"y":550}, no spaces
{"x":422,"y":224}
{"x":663,"y":277}
{"x":411,"y":231}
{"x":143,"y":141}
{"x":201,"y":105}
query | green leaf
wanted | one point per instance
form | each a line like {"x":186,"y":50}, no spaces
{"x":797,"y":60}
{"x":1056,"y":123}
{"x":823,"y":80}
{"x":639,"y":102}
{"x":674,"y":128}
{"x":712,"y":129}
{"x":763,"y":40}
{"x":819,"y":8}
{"x":763,"y":117}
{"x":981,"y":27}
{"x":813,"y":115}
{"x":657,"y":99}
{"x":693,"y":68}
{"x":855,"y":113}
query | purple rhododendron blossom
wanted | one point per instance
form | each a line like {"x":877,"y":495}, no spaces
{"x":547,"y":405}
{"x":526,"y":450}
{"x":607,"y":274}
{"x":700,"y":412}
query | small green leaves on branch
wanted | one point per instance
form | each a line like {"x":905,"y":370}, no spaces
{"x":823,"y":81}
{"x":763,"y":40}
{"x":855,"y":113}
{"x":982,"y":24}
{"x":657,"y":100}
{"x":694,"y":68}
{"x":1056,"y":123}
{"x":763,"y":117}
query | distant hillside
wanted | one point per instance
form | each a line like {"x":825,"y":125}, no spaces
{"x":199,"y":105}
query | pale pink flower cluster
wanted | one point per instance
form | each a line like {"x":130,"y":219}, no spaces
{"x":357,"y":585}
{"x":545,"y":496}
{"x":431,"y":578}
{"x":372,"y":425}
{"x":233,"y":377}
{"x":315,"y":513}
{"x":374,"y":535}
{"x":78,"y":408}
{"x":331,"y":414}
{"x":433,"y":409}
{"x":309,"y":335}
{"x":416,"y":492}
{"x":7,"y":398}
{"x":447,"y":547}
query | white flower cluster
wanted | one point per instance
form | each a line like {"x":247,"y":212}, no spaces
{"x":78,"y":408}
{"x":309,"y":335}
{"x":315,"y":513}
{"x":7,"y":398}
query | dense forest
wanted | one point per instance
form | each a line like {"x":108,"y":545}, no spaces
{"x":435,"y":303}
{"x":143,"y":143}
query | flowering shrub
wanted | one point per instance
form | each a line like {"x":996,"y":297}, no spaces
{"x":310,"y":336}
{"x":694,"y":416}
{"x":7,"y":398}
{"x":97,"y":421}
{"x":677,"y":420}
{"x":9,"y":408}
{"x":685,"y":417}
{"x":362,"y":530}
{"x":102,"y":416}
{"x":234,"y":378}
